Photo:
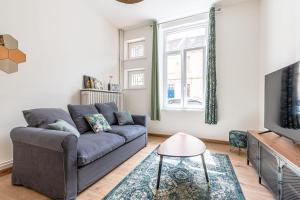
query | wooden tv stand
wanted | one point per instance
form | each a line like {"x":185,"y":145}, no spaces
{"x":277,"y":162}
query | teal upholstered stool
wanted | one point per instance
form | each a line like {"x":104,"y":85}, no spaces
{"x":238,"y":139}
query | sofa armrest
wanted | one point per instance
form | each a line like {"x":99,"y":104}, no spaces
{"x":46,"y":161}
{"x":43,"y":138}
{"x":140,"y":120}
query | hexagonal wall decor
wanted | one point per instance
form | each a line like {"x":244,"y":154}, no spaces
{"x":16,"y":55}
{"x":3,"y":52}
{"x":10,"y":55}
{"x":8,"y":66}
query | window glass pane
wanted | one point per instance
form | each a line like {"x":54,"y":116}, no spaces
{"x":184,"y":58}
{"x":136,"y":79}
{"x":174,"y":79}
{"x":194,"y":78}
{"x":186,"y":39}
{"x":136,"y":49}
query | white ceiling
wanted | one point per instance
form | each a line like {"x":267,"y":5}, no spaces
{"x":125,"y":15}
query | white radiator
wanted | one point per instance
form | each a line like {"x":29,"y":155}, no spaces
{"x":90,"y":96}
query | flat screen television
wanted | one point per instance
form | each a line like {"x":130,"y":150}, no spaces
{"x":282,"y":102}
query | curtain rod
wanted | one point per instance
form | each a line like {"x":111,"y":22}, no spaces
{"x":147,"y":25}
{"x":174,"y":20}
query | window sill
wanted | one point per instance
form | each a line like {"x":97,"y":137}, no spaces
{"x":133,"y":59}
{"x":183,"y":109}
{"x":143,"y":88}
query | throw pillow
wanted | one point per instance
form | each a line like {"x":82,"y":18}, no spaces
{"x":97,"y":122}
{"x":62,"y":125}
{"x":124,"y":118}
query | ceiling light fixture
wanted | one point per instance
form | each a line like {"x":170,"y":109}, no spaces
{"x":130,"y":1}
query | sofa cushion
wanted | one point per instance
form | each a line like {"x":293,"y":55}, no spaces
{"x":129,"y":132}
{"x":41,"y":117}
{"x":78,"y":112}
{"x":108,"y":111}
{"x":62,"y":125}
{"x":93,"y":146}
{"x":124,"y":118}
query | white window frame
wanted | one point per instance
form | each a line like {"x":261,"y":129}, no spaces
{"x":183,"y":105}
{"x":127,"y":80}
{"x":127,"y":43}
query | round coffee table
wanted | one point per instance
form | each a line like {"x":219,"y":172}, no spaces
{"x":181,"y":145}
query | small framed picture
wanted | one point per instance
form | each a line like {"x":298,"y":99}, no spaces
{"x":115,"y":87}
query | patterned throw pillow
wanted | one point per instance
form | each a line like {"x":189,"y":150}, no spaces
{"x":124,"y":118}
{"x":61,"y":125}
{"x":97,"y":122}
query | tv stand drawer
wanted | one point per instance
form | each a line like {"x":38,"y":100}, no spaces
{"x":276,"y":161}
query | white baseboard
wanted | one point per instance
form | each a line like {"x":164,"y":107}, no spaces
{"x":6,"y":164}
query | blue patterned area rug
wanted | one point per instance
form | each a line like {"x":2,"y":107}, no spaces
{"x":181,"y":178}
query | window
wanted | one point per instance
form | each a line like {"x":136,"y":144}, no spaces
{"x":134,"y":49}
{"x":184,"y":65}
{"x":135,"y":78}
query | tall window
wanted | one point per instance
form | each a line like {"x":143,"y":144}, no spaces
{"x":184,"y":65}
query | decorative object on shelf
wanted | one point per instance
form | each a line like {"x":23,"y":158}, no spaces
{"x":109,"y":83}
{"x":238,"y":139}
{"x":86,"y":82}
{"x":10,"y":55}
{"x":115,"y":87}
{"x":98,"y":84}
{"x":92,"y":83}
{"x":129,"y":1}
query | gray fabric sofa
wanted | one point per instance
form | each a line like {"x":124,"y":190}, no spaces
{"x":60,"y":165}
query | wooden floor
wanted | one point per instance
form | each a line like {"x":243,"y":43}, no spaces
{"x":246,"y":175}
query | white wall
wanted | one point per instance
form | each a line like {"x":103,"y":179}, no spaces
{"x":237,"y":70}
{"x":63,"y":40}
{"x":279,"y":39}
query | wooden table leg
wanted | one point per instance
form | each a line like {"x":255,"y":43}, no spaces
{"x":204,"y":166}
{"x":159,"y":172}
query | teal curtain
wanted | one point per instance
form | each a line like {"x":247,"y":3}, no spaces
{"x":155,"y":103}
{"x":211,"y":112}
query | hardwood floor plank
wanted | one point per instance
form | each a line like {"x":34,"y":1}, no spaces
{"x":246,"y":175}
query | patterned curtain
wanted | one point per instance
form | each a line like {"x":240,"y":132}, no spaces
{"x":155,"y":104}
{"x":211,"y":115}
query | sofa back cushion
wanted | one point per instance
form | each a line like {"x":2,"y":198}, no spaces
{"x":41,"y":117}
{"x":108,"y":111}
{"x":78,"y":112}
